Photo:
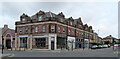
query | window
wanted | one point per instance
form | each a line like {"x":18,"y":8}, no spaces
{"x":58,"y":29}
{"x":61,"y":19}
{"x":40,"y":18}
{"x":64,"y":30}
{"x":43,"y":28}
{"x":20,"y":30}
{"x":69,"y":31}
{"x":40,"y":42}
{"x":23,"y":20}
{"x":73,"y":32}
{"x":52,"y":28}
{"x":71,"y":23}
{"x":77,"y":33}
{"x":36,"y":29}
{"x":26,"y":30}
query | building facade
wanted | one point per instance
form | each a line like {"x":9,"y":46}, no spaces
{"x":49,"y":31}
{"x":109,"y":39}
{"x":8,"y":37}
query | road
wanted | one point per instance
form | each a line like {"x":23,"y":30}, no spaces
{"x":105,"y":52}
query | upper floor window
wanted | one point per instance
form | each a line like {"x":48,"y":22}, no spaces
{"x":61,"y":19}
{"x":71,"y":23}
{"x":52,"y":28}
{"x":63,"y":29}
{"x":77,"y":33}
{"x":43,"y":28}
{"x":40,"y":18}
{"x":58,"y":29}
{"x":23,"y":20}
{"x":69,"y":31}
{"x":73,"y":32}
{"x":36,"y":29}
{"x":20,"y":30}
{"x":26,"y":30}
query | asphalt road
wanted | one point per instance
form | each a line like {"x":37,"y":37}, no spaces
{"x":105,"y":52}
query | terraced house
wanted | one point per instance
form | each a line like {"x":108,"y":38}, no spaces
{"x":49,"y":31}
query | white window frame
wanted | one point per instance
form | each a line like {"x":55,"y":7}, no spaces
{"x":69,"y":31}
{"x":20,"y":30}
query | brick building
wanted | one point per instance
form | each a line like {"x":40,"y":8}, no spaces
{"x":8,"y":36}
{"x":49,"y":31}
{"x":109,"y":39}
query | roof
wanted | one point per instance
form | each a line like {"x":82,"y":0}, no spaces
{"x":50,"y":14}
{"x":109,"y":37}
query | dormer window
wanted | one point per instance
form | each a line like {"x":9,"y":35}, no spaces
{"x":71,"y":23}
{"x":61,"y":19}
{"x":40,"y":18}
{"x":23,"y":20}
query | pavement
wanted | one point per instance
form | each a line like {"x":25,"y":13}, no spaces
{"x":105,"y":52}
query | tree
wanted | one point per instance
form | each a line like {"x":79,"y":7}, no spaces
{"x":106,"y":42}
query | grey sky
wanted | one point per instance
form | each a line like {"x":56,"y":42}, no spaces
{"x":100,"y":15}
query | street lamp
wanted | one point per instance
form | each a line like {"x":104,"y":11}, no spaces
{"x":2,"y":44}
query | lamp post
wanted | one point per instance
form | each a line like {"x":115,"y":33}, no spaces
{"x":113,"y":43}
{"x":2,"y":44}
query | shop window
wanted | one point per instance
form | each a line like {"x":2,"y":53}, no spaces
{"x":43,"y":28}
{"x":52,"y":28}
{"x":23,"y":42}
{"x":40,"y":42}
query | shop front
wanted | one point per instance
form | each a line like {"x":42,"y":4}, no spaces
{"x":71,"y":42}
{"x":61,"y":41}
{"x":23,"y":41}
{"x":79,"y":43}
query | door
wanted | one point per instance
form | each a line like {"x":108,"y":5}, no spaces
{"x":8,"y":44}
{"x":52,"y":45}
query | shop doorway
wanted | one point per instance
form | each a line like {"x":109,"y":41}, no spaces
{"x":52,"y":45}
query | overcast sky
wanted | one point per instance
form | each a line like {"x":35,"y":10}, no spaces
{"x":102,"y":16}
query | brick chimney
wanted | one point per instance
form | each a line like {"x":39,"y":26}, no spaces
{"x":110,"y":35}
{"x":5,"y":26}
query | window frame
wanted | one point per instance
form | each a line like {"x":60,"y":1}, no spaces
{"x":44,"y":28}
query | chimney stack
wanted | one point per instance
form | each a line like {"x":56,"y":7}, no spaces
{"x":5,"y":26}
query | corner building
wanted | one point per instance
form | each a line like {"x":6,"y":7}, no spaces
{"x":49,"y":31}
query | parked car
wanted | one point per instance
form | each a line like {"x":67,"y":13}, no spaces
{"x":115,"y":45}
{"x":94,"y":47}
{"x":105,"y":46}
{"x":109,"y":45}
{"x":100,"y":46}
